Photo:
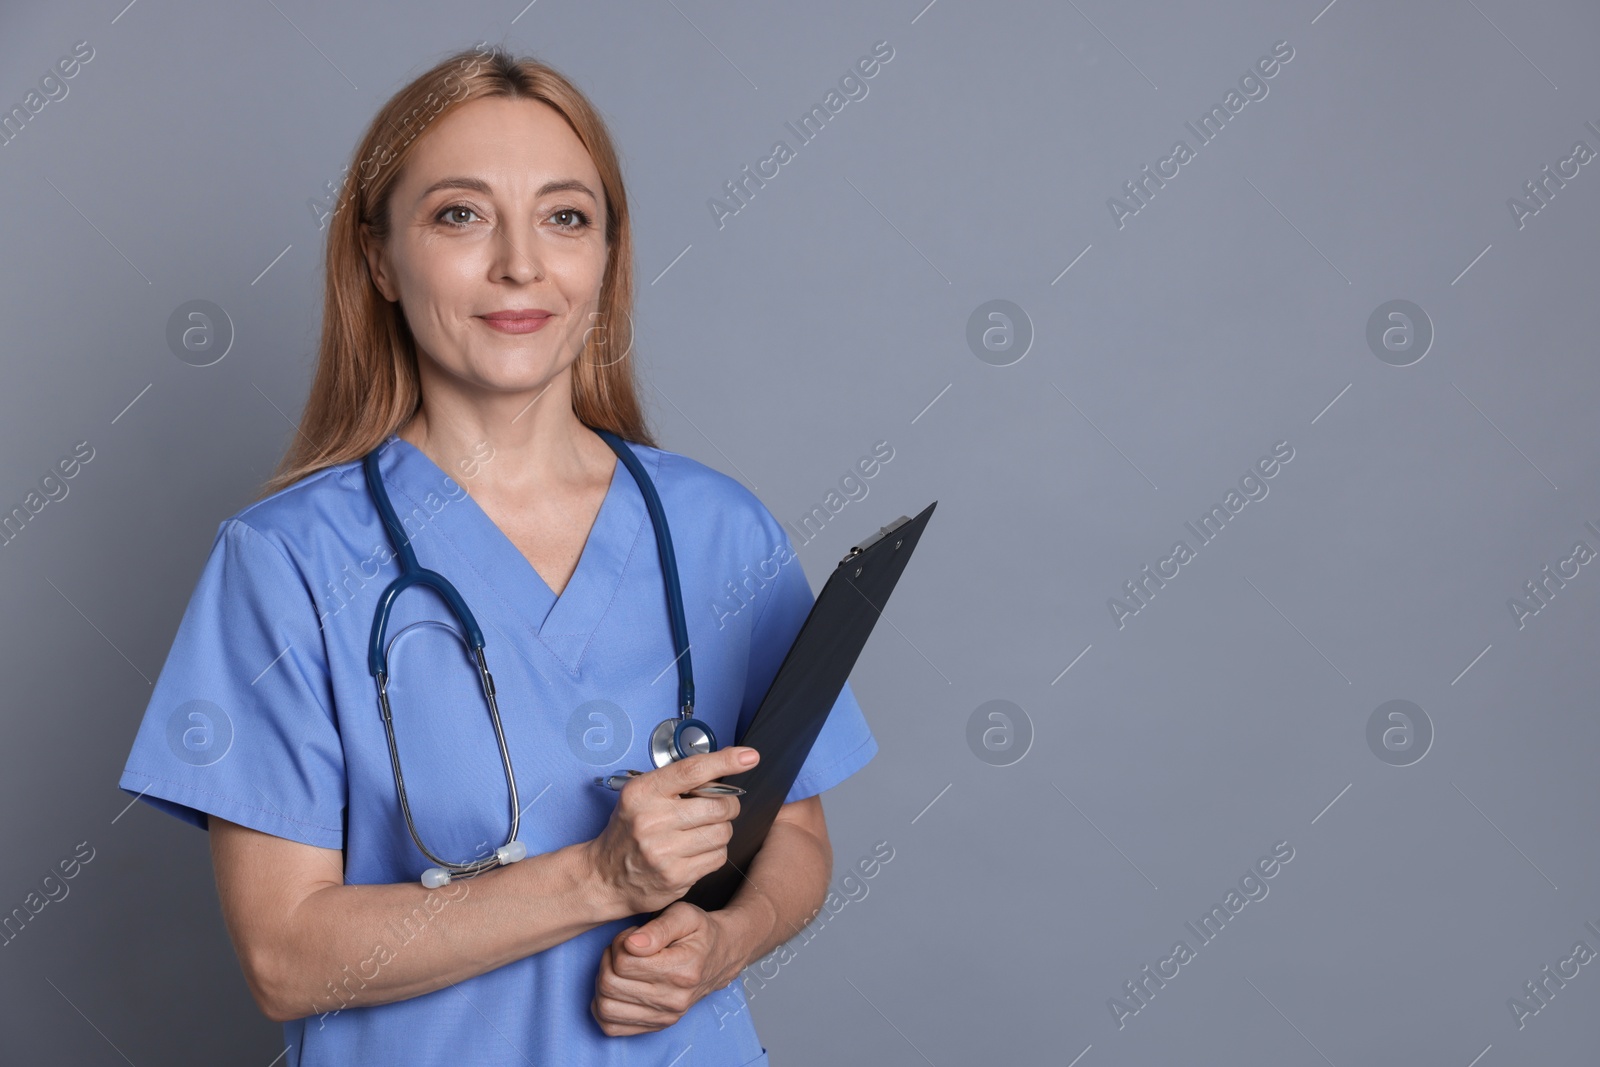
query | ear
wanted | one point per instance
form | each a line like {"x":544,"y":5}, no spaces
{"x":372,"y":250}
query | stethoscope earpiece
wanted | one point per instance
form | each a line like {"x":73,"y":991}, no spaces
{"x":508,"y":853}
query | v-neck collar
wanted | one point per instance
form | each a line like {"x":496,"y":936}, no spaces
{"x":481,"y":557}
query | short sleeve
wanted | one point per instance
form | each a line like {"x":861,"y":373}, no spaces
{"x":240,"y":724}
{"x":845,"y":743}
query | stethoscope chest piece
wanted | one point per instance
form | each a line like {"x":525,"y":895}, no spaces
{"x":674,"y":739}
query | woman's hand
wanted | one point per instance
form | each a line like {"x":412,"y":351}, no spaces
{"x":650,"y":975}
{"x":658,"y":844}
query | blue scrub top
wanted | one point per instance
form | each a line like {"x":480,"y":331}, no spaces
{"x":265,"y":714}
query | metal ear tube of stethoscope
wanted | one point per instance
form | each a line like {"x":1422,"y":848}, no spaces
{"x":510,"y":852}
{"x":513,"y":850}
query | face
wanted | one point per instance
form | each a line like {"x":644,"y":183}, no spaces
{"x":499,"y":209}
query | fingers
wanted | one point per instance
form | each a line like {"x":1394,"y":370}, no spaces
{"x":611,"y":1029}
{"x":682,"y":775}
{"x":703,"y":811}
{"x":681,"y":965}
{"x":661,"y":841}
{"x":687,"y":812}
{"x":625,"y":1006}
{"x":679,"y":919}
{"x":622,"y":1018}
{"x":669,"y":991}
{"x":710,"y":838}
{"x":679,"y":861}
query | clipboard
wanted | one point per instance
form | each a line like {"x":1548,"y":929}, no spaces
{"x":791,"y":715}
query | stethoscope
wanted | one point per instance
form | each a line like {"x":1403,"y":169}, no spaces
{"x":673,"y":738}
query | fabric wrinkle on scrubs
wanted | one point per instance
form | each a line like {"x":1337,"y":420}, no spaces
{"x":264,"y":714}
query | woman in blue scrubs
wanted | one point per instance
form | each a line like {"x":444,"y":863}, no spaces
{"x":475,"y":333}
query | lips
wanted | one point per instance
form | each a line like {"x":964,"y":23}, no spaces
{"x":518,"y":315}
{"x":517,"y":321}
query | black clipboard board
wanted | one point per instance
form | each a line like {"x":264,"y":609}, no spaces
{"x":803,"y":691}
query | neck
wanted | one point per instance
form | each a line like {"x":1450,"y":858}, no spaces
{"x":508,"y":445}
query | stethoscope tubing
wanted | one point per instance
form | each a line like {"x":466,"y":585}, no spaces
{"x":669,"y":569}
{"x":474,"y":866}
{"x":413,"y":573}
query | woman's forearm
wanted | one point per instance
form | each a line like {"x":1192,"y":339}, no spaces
{"x":783,"y":890}
{"x":356,"y":945}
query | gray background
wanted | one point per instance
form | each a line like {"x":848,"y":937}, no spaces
{"x":1229,"y":314}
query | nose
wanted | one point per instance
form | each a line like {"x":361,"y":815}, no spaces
{"x":515,"y":258}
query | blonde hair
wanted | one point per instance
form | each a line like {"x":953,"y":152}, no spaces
{"x":366,"y":385}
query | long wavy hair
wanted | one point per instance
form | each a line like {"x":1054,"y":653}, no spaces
{"x":366,"y":384}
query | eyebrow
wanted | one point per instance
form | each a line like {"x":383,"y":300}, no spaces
{"x":478,"y":185}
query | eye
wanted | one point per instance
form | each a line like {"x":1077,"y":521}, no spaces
{"x":581,"y":217}
{"x":446,"y":216}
